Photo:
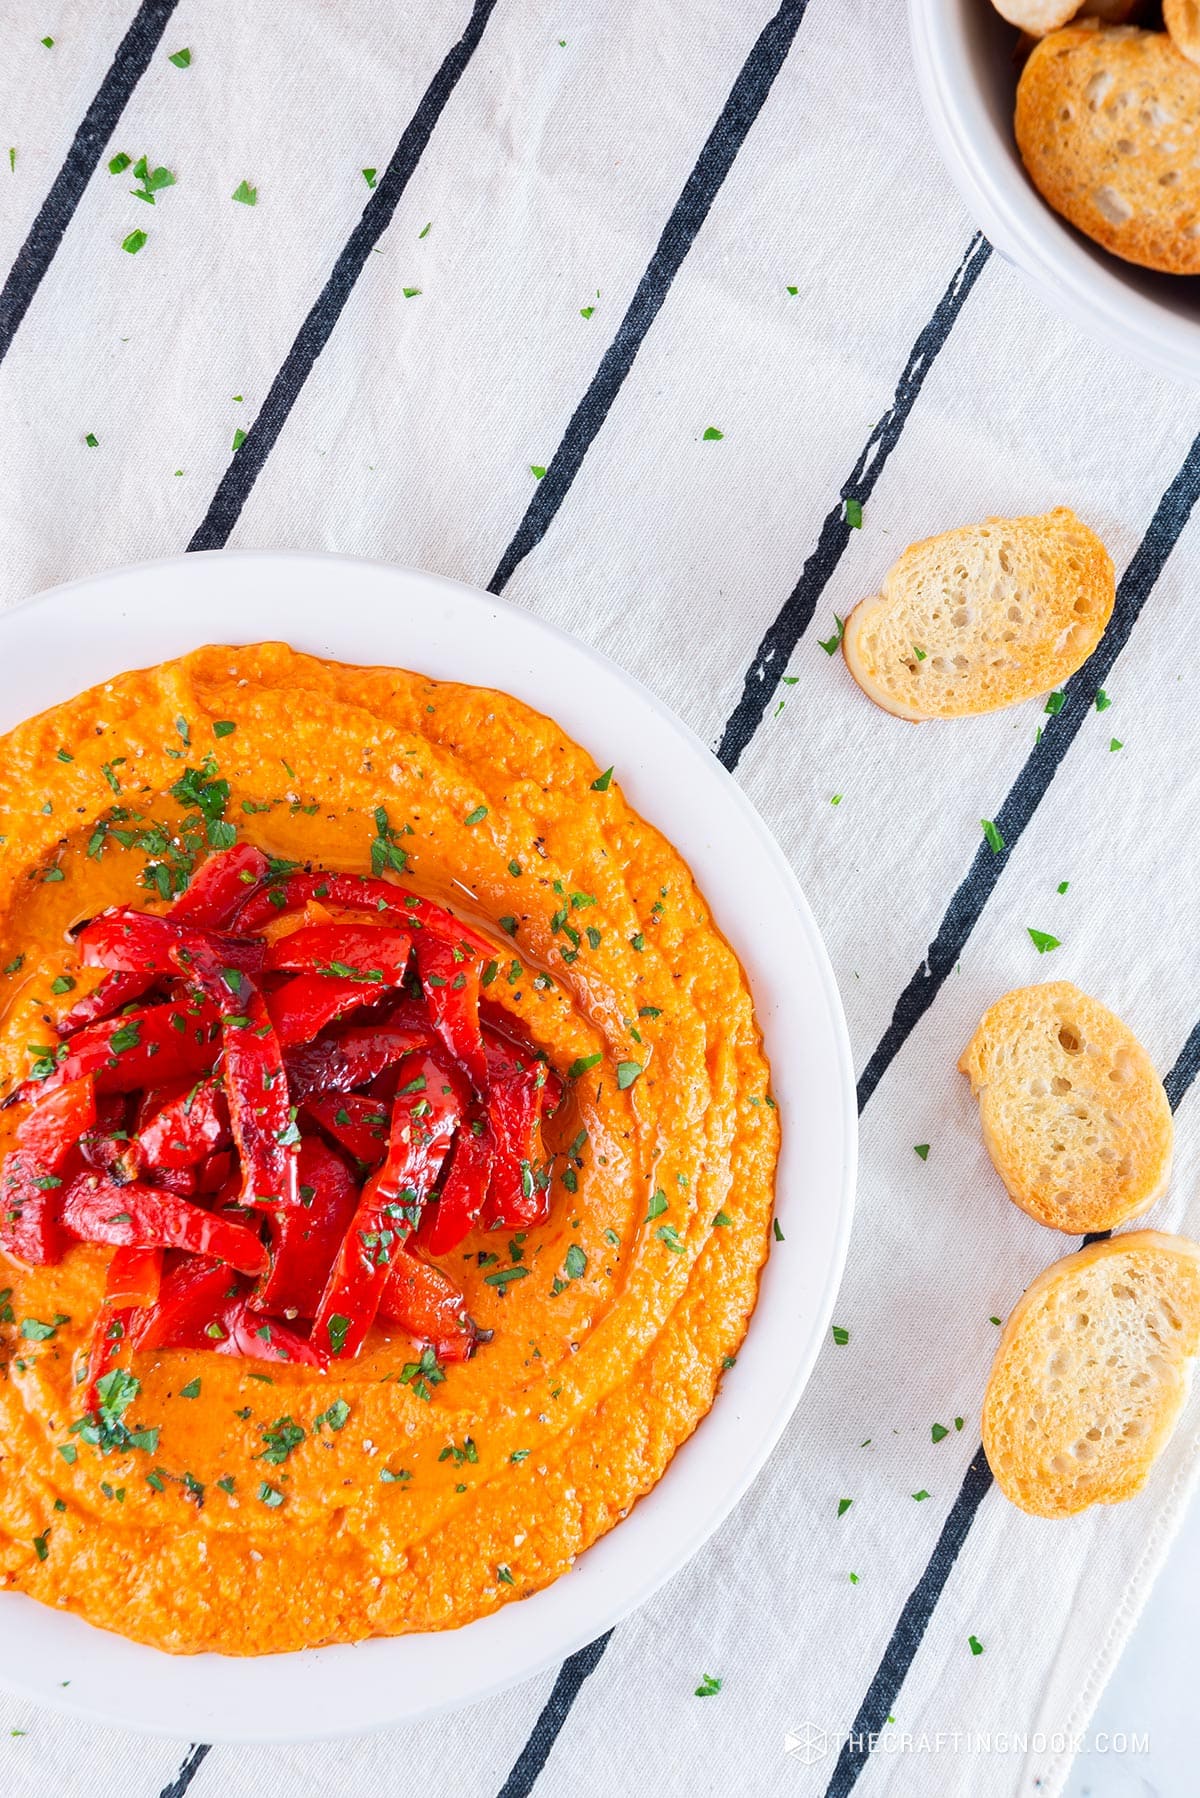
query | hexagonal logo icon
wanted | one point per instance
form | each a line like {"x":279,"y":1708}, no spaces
{"x":808,"y":1742}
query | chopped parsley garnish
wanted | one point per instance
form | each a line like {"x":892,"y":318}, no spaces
{"x":721,"y":1220}
{"x":840,"y":1336}
{"x":181,"y":58}
{"x":385,"y":850}
{"x":603,"y":781}
{"x":668,"y":1234}
{"x":583,"y":1064}
{"x":709,"y":1686}
{"x":336,"y":1415}
{"x":937,"y":1431}
{"x":370,"y":176}
{"x":1042,"y":940}
{"x":920,"y":1495}
{"x":537,"y":471}
{"x":657,"y":1205}
{"x":502,"y":1573}
{"x":34,"y":1330}
{"x":627,"y":1073}
{"x":223,"y":727}
{"x":92,"y":441}
{"x":133,"y":242}
{"x":505,"y":1276}
{"x":921,"y":1149}
{"x":976,"y":1645}
{"x":844,"y":1505}
{"x":191,"y":1390}
{"x":575,"y":1263}
{"x":245,"y":195}
{"x":269,"y":1495}
{"x":1102,"y":701}
{"x":1055,"y":703}
{"x":338,"y":1326}
{"x":422,"y":1374}
{"x":712,"y":435}
{"x":830,"y":644}
{"x":280,"y":1438}
{"x":854,"y":514}
{"x":1115,"y":743}
{"x":119,"y":163}
{"x":40,"y":1545}
{"x":477,"y":816}
{"x":995,"y":841}
{"x":410,"y":293}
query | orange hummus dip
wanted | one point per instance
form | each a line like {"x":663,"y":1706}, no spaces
{"x":389,"y":1505}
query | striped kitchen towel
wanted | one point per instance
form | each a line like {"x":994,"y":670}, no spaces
{"x":664,"y":321}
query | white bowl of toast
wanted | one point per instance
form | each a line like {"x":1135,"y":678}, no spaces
{"x":1114,"y":141}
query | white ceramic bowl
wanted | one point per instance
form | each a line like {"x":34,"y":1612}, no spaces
{"x":963,"y":52}
{"x":354,"y":611}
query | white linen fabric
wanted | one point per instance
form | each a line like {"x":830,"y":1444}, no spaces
{"x":575,"y":277}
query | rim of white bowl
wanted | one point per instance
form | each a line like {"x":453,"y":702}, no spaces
{"x":130,"y":618}
{"x":1086,"y":284}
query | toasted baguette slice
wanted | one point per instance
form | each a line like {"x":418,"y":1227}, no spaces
{"x":1073,"y":1114}
{"x":1104,"y":125}
{"x":1037,"y":17}
{"x":1091,"y":1373}
{"x":982,"y":617}
{"x":1182,"y":20}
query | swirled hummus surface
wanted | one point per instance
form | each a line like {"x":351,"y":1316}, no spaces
{"x":277,"y":1508}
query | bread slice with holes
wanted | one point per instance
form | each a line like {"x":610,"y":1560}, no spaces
{"x":982,"y":617}
{"x":1073,"y":1114}
{"x":1105,"y":124}
{"x":1182,"y":20}
{"x":1091,"y":1373}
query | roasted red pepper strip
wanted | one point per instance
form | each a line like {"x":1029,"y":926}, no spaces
{"x":138,"y":941}
{"x":359,"y":1123}
{"x":55,"y":1125}
{"x":427,"y":1111}
{"x":306,"y":1237}
{"x":378,"y":951}
{"x":259,"y":1338}
{"x":303,"y":1007}
{"x":190,"y":1306}
{"x":149,"y":1047}
{"x":357,"y":893}
{"x":464,"y":1190}
{"x":428,"y":1304}
{"x":217,"y":888}
{"x":344,"y":1059}
{"x":186,"y":1127}
{"x":260,"y":1111}
{"x":30,"y":1204}
{"x":96,"y":1209}
{"x":134,"y":1278}
{"x":516,"y":1200}
{"x":450,"y":981}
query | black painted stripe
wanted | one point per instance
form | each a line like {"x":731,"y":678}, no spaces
{"x":87,"y":146}
{"x":1029,"y":788}
{"x":771,"y":658}
{"x":898,"y":1656}
{"x":234,"y":487}
{"x":746,"y":98}
{"x":192,"y":1763}
{"x":544,"y":1734}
